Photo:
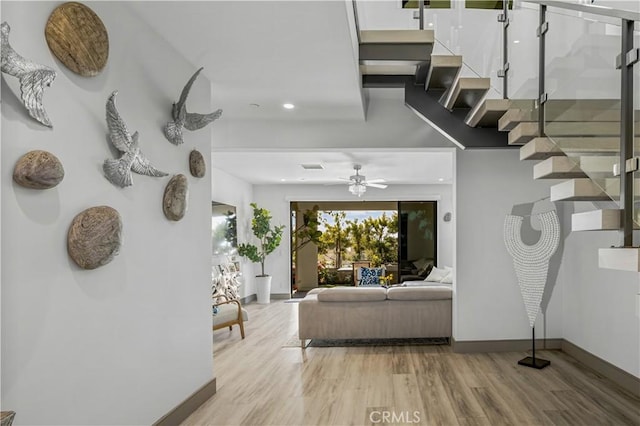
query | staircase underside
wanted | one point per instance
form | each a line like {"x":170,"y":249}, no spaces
{"x":450,"y":123}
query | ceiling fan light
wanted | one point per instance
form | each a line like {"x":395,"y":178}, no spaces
{"x":357,"y":189}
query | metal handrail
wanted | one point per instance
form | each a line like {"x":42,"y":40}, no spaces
{"x":593,"y":9}
{"x":355,"y":16}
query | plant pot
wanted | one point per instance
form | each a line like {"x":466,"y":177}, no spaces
{"x":263,"y":288}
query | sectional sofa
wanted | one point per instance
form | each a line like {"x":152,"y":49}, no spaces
{"x":410,"y":311}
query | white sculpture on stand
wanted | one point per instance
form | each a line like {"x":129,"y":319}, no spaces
{"x":531,"y":263}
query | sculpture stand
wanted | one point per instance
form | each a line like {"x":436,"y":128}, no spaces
{"x":532,"y":361}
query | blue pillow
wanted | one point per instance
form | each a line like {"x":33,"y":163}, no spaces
{"x":370,"y":276}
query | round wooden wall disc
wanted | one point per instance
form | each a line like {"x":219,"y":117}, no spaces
{"x":78,"y":38}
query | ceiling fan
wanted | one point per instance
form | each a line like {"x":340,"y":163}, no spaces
{"x":358,"y":183}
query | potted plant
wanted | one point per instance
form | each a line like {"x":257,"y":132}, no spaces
{"x":269,"y":239}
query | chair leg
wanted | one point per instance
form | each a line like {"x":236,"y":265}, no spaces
{"x":230,"y":328}
{"x":241,"y":323}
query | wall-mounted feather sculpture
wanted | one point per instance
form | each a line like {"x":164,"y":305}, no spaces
{"x":182,"y":118}
{"x":33,"y":77}
{"x":119,"y":171}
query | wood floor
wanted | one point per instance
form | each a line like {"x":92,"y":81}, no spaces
{"x":260,"y":382}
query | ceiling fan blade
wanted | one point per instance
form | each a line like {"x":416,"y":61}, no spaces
{"x":375,"y":181}
{"x":375,"y":185}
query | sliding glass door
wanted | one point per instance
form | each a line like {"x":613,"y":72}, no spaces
{"x":417,"y":245}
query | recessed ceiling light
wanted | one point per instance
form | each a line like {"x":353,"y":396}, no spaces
{"x":288,"y":106}
{"x":440,"y":179}
{"x":516,"y":41}
{"x":282,"y":180}
{"x":431,"y":24}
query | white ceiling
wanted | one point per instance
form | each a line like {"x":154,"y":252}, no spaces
{"x":267,"y":53}
{"x":304,"y":52}
{"x":396,"y":167}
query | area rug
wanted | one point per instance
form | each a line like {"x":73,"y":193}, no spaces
{"x":325,"y":343}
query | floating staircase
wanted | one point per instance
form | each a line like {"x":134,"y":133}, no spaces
{"x":586,"y":133}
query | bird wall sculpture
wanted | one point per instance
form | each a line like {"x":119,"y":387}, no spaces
{"x":183,"y":119}
{"x":119,"y":171}
{"x":33,"y":77}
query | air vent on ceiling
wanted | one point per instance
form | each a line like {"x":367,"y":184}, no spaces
{"x":312,"y":166}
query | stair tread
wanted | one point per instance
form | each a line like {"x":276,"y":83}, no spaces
{"x":397,"y":36}
{"x":398,"y":68}
{"x":487,"y":113}
{"x":558,"y":168}
{"x":562,"y":110}
{"x":446,"y":60}
{"x":514,"y":116}
{"x":443,"y":71}
{"x":562,"y":167}
{"x":466,"y":92}
{"x":581,"y":189}
{"x":597,"y":220}
{"x":540,"y":148}
{"x":585,"y":189}
{"x":624,"y":258}
{"x":524,"y":132}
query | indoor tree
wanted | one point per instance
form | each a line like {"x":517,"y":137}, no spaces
{"x":269,"y":238}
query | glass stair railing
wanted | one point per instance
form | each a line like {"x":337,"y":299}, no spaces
{"x":583,"y":114}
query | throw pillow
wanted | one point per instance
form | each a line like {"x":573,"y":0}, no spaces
{"x":448,"y":278}
{"x":436,"y":275}
{"x":421,"y":263}
{"x":371,"y":276}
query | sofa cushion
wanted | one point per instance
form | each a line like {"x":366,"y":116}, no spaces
{"x":432,"y":292}
{"x":353,"y":294}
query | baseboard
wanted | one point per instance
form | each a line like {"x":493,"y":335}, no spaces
{"x":188,"y":406}
{"x":471,"y":346}
{"x":253,"y":298}
{"x":248,"y":299}
{"x":280,"y":296}
{"x":625,"y":380}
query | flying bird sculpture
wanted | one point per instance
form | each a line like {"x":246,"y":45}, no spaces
{"x":33,"y":77}
{"x":118,"y":171}
{"x":182,"y":118}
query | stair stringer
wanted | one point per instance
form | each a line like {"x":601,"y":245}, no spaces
{"x":425,"y":104}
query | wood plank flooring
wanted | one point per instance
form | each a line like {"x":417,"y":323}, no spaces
{"x":260,"y":382}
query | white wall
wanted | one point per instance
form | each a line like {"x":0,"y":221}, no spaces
{"x":231,"y":190}
{"x":276,"y":198}
{"x":125,"y":343}
{"x":600,"y":311}
{"x":488,"y":301}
